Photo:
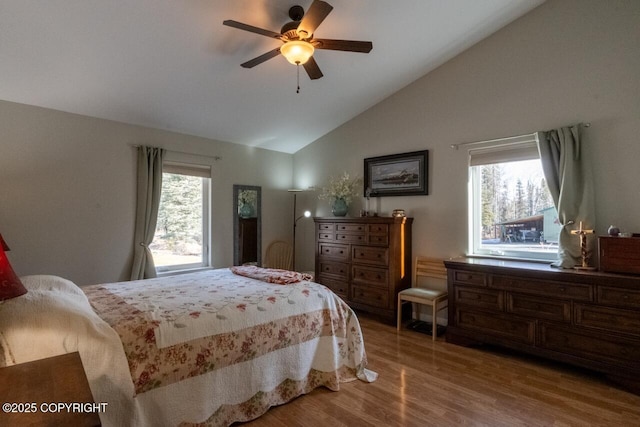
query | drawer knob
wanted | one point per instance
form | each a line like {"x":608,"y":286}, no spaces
{"x":625,"y":296}
{"x":562,"y":289}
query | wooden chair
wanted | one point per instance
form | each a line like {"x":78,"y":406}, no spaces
{"x":279,"y":255}
{"x":425,"y":294}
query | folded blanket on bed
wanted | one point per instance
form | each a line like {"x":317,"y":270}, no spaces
{"x":271,"y":275}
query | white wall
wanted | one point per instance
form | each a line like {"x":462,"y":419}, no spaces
{"x":67,"y":191}
{"x":567,"y":61}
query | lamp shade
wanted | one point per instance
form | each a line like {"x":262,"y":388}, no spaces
{"x":297,"y":52}
{"x":10,"y":284}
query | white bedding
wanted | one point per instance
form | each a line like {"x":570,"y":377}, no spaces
{"x":55,"y":317}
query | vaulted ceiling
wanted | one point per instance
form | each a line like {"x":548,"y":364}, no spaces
{"x":171,"y":64}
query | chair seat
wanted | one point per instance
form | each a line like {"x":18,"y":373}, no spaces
{"x":428,"y":294}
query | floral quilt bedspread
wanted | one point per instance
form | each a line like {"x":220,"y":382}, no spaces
{"x":179,"y":327}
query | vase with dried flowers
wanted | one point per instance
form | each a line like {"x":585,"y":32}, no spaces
{"x":340,"y":192}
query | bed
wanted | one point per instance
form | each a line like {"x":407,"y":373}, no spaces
{"x":205,"y":348}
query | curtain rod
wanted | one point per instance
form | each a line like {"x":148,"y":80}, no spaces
{"x":528,"y":135}
{"x":184,"y":152}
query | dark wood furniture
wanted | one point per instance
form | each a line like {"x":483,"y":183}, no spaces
{"x":590,"y":319}
{"x":366,"y":261}
{"x":619,"y":254}
{"x":47,"y":381}
{"x":248,"y":240}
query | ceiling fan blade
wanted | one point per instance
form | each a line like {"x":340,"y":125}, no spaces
{"x":346,"y":45}
{"x":312,"y":69}
{"x":311,"y":20}
{"x":252,"y":29}
{"x":260,"y":59}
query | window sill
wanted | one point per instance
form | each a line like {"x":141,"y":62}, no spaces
{"x":184,"y":271}
{"x":507,"y":258}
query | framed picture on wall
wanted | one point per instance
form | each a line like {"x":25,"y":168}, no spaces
{"x":397,"y":174}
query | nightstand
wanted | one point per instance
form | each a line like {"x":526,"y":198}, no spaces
{"x":59,"y":379}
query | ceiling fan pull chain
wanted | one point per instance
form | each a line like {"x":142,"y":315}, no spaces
{"x":298,"y":70}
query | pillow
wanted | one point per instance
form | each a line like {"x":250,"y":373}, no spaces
{"x":42,"y":323}
{"x":44,"y":282}
{"x":10,"y":284}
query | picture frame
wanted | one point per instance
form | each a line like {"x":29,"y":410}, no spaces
{"x":397,"y":174}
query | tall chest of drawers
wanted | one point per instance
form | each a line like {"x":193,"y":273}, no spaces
{"x":590,"y":319}
{"x":366,"y":261}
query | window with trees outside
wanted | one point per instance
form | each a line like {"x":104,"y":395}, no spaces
{"x":512,"y":214}
{"x":181,"y":240}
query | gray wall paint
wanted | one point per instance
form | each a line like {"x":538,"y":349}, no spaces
{"x":565,"y":62}
{"x":67,"y":192}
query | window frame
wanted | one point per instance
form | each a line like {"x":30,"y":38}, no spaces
{"x":504,"y":150}
{"x":204,"y":172}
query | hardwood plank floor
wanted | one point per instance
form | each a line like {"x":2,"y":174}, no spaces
{"x":422,"y":383}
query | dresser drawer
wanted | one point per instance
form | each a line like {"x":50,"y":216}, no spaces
{"x":537,"y":307}
{"x":378,"y":229}
{"x":378,"y":234}
{"x":608,"y":318}
{"x":339,"y":252}
{"x":378,"y":239}
{"x":478,"y":297}
{"x":368,"y":295}
{"x":351,"y":228}
{"x":350,"y":238}
{"x":601,"y":347}
{"x":521,"y":330}
{"x":469,"y":278}
{"x":324,"y":235}
{"x":326,"y":227}
{"x":619,"y":296}
{"x":574,"y":291}
{"x":368,"y":275}
{"x":339,"y":287}
{"x":370,"y":255}
{"x":337,"y":269}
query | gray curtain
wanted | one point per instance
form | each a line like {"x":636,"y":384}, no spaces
{"x":148,"y":201}
{"x":570,"y":185}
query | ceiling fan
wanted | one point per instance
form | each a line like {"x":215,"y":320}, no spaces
{"x":298,"y":41}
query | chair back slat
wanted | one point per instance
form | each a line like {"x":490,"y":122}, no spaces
{"x":429,"y":267}
{"x":279,"y":255}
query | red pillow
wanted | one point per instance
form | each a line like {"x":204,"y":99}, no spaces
{"x":10,"y":284}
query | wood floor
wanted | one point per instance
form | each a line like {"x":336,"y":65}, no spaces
{"x":422,"y":383}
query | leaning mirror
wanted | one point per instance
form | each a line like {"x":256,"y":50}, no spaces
{"x":247,"y":225}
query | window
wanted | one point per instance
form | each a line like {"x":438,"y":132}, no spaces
{"x":181,"y":240}
{"x":512,"y":214}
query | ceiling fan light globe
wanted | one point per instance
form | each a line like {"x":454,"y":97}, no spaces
{"x":297,"y":52}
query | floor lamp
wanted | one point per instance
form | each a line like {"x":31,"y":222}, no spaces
{"x":306,"y":214}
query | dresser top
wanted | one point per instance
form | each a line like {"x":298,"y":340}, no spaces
{"x":541,"y":270}
{"x":365,"y":219}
